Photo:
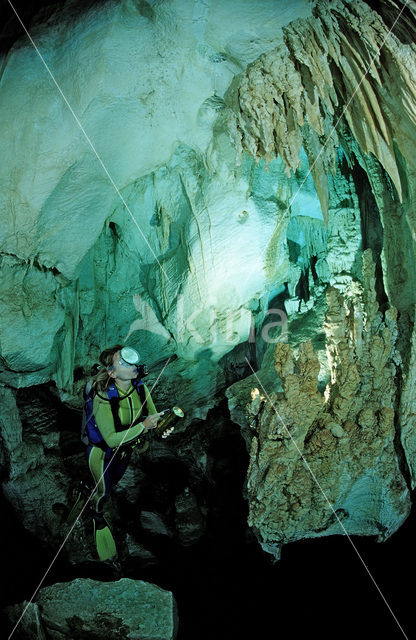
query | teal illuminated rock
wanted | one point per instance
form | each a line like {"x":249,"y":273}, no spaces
{"x":126,"y":609}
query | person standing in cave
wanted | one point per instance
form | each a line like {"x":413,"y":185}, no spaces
{"x":122,"y":412}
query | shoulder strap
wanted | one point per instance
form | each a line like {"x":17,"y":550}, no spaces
{"x":89,"y":389}
{"x":114,"y":399}
{"x":139,"y":386}
{"x":111,"y":392}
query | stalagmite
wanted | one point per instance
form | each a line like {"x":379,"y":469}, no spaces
{"x":329,"y":466}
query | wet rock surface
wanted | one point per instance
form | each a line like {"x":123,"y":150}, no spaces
{"x":324,"y":62}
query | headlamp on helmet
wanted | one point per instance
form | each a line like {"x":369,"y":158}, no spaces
{"x":129,"y":356}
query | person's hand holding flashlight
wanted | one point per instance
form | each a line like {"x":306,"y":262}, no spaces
{"x":151,"y":421}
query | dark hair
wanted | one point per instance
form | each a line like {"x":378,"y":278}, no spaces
{"x":102,"y":379}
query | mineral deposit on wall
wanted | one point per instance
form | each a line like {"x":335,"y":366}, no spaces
{"x":320,"y":466}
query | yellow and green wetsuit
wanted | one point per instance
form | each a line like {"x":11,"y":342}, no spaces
{"x":108,"y":464}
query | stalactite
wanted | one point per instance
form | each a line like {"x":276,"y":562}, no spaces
{"x":341,"y":64}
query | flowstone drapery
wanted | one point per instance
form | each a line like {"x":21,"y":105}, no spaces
{"x":329,"y":67}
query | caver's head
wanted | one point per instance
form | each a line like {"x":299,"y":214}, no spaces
{"x":120,"y":363}
{"x":123,"y":364}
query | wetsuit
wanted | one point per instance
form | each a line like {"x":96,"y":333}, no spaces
{"x":107,"y":470}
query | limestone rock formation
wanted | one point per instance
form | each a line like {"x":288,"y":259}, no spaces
{"x":35,"y":478}
{"x":328,"y":465}
{"x":129,"y":609}
{"x":157,"y":260}
{"x":330,"y":67}
{"x":142,"y":250}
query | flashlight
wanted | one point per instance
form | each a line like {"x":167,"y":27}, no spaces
{"x":167,"y":424}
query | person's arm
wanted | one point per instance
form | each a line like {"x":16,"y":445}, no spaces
{"x":105,"y":422}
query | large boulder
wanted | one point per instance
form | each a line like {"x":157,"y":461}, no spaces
{"x":84,"y":608}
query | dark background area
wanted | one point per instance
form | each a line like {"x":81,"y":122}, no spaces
{"x":30,"y":13}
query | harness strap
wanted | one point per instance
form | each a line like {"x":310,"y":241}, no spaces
{"x":115,"y":406}
{"x":113,"y":397}
{"x":114,"y":393}
{"x":142,"y":395}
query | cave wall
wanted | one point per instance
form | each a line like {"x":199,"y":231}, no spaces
{"x":146,"y":238}
{"x":340,"y":472}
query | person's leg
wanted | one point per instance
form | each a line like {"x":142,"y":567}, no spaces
{"x":100,"y":465}
{"x":120,"y":464}
{"x":101,"y":474}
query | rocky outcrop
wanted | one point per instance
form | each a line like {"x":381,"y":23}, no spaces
{"x":328,"y":465}
{"x":408,"y":411}
{"x":42,"y":465}
{"x":127,"y":609}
